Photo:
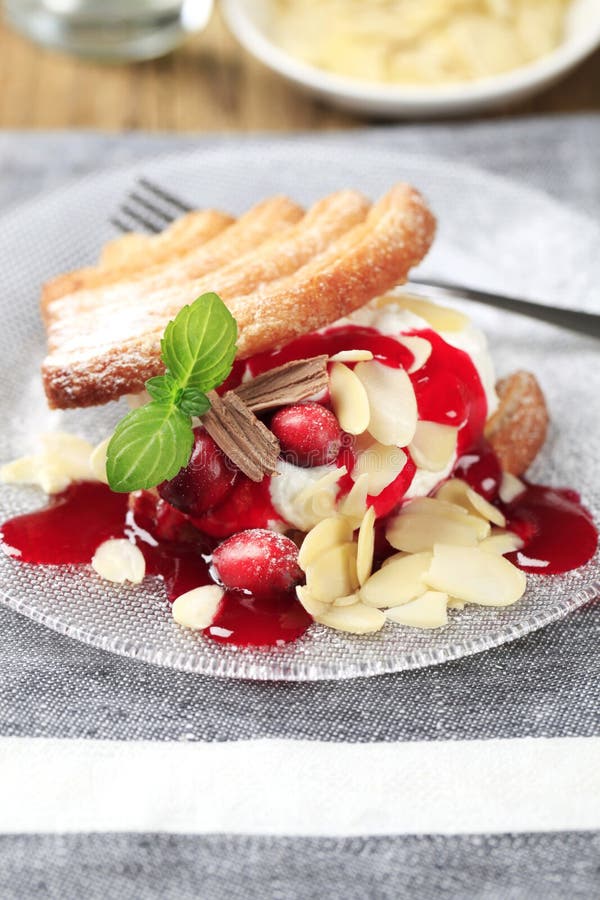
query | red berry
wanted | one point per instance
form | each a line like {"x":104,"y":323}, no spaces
{"x":308,"y":433}
{"x":260,"y":561}
{"x":204,"y":482}
{"x":247,"y":505}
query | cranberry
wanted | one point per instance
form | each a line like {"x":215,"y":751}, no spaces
{"x":260,"y":561}
{"x":204,"y":482}
{"x":247,"y":505}
{"x":309,"y":434}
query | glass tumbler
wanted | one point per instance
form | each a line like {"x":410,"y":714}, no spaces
{"x":111,"y":30}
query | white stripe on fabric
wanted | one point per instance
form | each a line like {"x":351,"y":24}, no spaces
{"x":300,"y":787}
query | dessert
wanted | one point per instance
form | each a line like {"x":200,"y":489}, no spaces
{"x":307,"y":444}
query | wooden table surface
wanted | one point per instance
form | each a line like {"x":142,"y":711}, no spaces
{"x":209,"y":84}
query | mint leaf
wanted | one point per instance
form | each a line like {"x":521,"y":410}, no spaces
{"x":193,"y":402}
{"x":198,"y":347}
{"x":162,"y":387}
{"x":150,"y":445}
{"x":154,"y":442}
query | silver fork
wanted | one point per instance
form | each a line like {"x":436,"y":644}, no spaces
{"x":152,"y":209}
{"x":149,"y":207}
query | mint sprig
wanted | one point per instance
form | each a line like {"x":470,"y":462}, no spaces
{"x":152,"y":443}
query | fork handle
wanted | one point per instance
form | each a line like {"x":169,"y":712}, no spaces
{"x":572,"y":319}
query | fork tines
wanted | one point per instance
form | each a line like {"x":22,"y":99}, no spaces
{"x":150,"y":208}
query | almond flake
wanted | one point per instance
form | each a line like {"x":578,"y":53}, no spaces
{"x":472,"y":575}
{"x":434,"y":446}
{"x":417,"y":532}
{"x":459,"y":493}
{"x":63,"y":458}
{"x":441,"y":318}
{"x":355,"y":619}
{"x":68,"y":452}
{"x":392,"y":403}
{"x":318,"y":499}
{"x":98,"y":460}
{"x":510,"y":488}
{"x":394,"y":557}
{"x":312,"y":606}
{"x":433,"y":506}
{"x":350,"y":600}
{"x":453,"y":603}
{"x":326,"y":534}
{"x":353,"y":506}
{"x":351,"y":356}
{"x":420,"y":349}
{"x":349,"y":399}
{"x":485,"y":508}
{"x":333,"y":574}
{"x":197,"y":608}
{"x":501,"y":543}
{"x":398,"y":582}
{"x":382,"y":464}
{"x":119,"y":560}
{"x":365,"y":546}
{"x":427,"y":611}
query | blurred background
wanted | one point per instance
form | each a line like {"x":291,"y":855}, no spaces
{"x":207,"y":82}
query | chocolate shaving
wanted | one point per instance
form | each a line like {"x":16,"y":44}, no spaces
{"x":289,"y":383}
{"x":241,"y":436}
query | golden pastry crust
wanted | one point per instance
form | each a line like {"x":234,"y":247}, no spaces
{"x":133,"y":255}
{"x":518,"y":428}
{"x":106,"y":343}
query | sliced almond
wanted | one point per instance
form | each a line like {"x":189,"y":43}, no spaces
{"x":417,"y":532}
{"x":354,"y":505}
{"x":119,"y":560}
{"x":398,"y":582}
{"x":355,"y":619}
{"x":326,"y":534}
{"x":420,"y":348}
{"x":25,"y":470}
{"x":318,"y":499}
{"x":454,"y":603}
{"x":68,"y":452}
{"x":350,"y":600}
{"x":434,"y":446}
{"x":351,"y":356}
{"x":98,"y":460}
{"x":453,"y":491}
{"x":394,"y":557}
{"x":458,"y":492}
{"x":441,"y":318}
{"x":333,"y":574}
{"x":485,"y":508}
{"x":442,"y":509}
{"x":510,"y":488}
{"x":349,"y":399}
{"x":472,"y":575}
{"x":197,"y":608}
{"x":365,"y":546}
{"x":312,"y":606}
{"x":381,"y":464}
{"x":501,"y":543}
{"x":63,"y":458}
{"x":427,"y":611}
{"x":392,"y":402}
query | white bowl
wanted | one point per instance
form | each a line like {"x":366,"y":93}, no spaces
{"x":249,"y":21}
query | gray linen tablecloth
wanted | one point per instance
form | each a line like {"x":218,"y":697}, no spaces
{"x":61,"y":698}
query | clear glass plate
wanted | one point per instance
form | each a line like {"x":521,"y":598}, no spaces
{"x":492,"y":233}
